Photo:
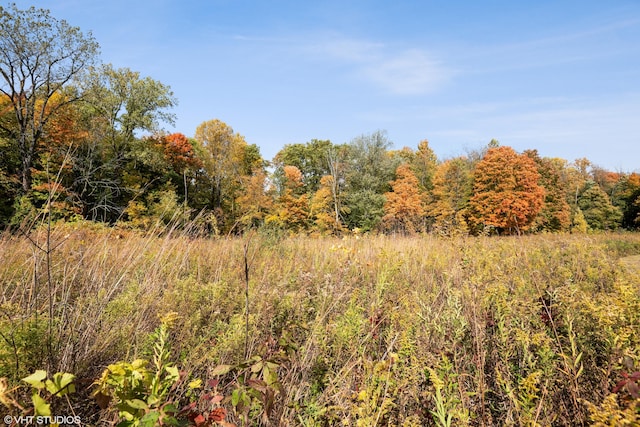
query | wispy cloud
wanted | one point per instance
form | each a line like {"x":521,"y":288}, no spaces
{"x":409,"y":72}
{"x":395,"y":70}
{"x":598,"y":44}
{"x":346,"y":49}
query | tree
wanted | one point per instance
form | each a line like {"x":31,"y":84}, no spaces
{"x":370,"y":168}
{"x":310,"y":158}
{"x":127,"y":102}
{"x":506,"y":194}
{"x":39,"y":56}
{"x":52,"y":174}
{"x":179,"y":153}
{"x":114,"y":164}
{"x":221,"y":150}
{"x":452,"y":187}
{"x":323,"y":208}
{"x":556,"y":212}
{"x":404,"y":208}
{"x":424,"y":165}
{"x":335,"y":184}
{"x":597,"y":209}
{"x":292,"y":208}
{"x":254,"y":202}
{"x":578,"y":223}
{"x":627,"y":192}
{"x":227,"y":160}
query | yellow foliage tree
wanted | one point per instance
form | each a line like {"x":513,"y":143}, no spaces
{"x":325,"y":218}
{"x":292,"y":208}
{"x":254,"y":203}
{"x":450,"y":196}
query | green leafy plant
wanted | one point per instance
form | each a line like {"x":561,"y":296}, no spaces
{"x":448,"y":406}
{"x":61,"y":384}
{"x":375,"y":400}
{"x":142,"y":391}
{"x":43,"y":391}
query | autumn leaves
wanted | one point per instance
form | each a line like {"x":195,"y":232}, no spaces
{"x":505,"y":195}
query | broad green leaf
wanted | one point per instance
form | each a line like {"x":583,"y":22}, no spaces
{"x":221,"y":370}
{"x":197,"y":383}
{"x":150,"y":419}
{"x":171,"y":421}
{"x":136,"y":404}
{"x":170,"y":408}
{"x":269,"y":375}
{"x":173,"y":372}
{"x":61,"y":384}
{"x":139,"y":363}
{"x":40,"y":406}
{"x":235,"y":397}
{"x":117,"y":369}
{"x":153,"y":400}
{"x":36,"y":380}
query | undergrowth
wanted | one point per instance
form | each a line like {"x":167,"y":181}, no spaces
{"x":422,"y":331}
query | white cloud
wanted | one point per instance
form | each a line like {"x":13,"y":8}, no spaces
{"x":410,"y":71}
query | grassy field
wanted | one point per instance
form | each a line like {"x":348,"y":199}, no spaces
{"x":420,"y":331}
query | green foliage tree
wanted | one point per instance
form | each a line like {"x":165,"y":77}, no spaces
{"x":40,"y":56}
{"x":556,"y":212}
{"x":311,"y":159}
{"x":597,"y":208}
{"x":424,"y":165}
{"x":114,"y":164}
{"x":9,"y":179}
{"x":506,"y":194}
{"x":369,"y":171}
{"x":626,"y":194}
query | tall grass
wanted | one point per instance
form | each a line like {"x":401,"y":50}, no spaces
{"x":371,"y":331}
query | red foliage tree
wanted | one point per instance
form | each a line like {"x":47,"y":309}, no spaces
{"x":178,"y":152}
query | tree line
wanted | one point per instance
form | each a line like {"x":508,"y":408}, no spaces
{"x":83,"y":140}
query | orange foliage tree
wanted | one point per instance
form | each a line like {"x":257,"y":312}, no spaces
{"x":404,"y":208}
{"x":506,"y":193}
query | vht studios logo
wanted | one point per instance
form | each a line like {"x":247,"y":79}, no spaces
{"x":42,"y":420}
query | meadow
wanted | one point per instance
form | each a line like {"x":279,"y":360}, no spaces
{"x":263,"y":329}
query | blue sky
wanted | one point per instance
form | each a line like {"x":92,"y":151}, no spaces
{"x":562,"y":77}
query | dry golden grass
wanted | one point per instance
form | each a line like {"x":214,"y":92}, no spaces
{"x":366,"y":331}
